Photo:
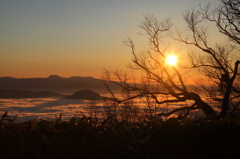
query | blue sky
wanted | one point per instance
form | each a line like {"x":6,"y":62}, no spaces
{"x":75,"y":37}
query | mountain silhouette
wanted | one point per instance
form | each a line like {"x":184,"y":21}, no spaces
{"x":54,"y":77}
{"x":55,"y":83}
{"x":27,"y":94}
{"x":86,"y":94}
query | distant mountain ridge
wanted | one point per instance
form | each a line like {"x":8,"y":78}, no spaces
{"x":27,"y":94}
{"x":83,"y":94}
{"x":55,"y":83}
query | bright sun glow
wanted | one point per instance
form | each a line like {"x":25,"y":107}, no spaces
{"x":171,"y":60}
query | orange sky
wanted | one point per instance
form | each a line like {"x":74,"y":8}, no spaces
{"x":75,"y":38}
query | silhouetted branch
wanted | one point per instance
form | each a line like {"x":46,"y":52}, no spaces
{"x":193,"y":107}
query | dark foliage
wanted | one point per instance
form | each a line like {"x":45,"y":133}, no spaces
{"x":88,"y":138}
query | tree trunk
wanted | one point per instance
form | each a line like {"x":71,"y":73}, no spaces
{"x":207,"y":109}
{"x":225,"y":104}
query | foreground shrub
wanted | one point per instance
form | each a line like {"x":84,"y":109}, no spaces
{"x":111,"y":138}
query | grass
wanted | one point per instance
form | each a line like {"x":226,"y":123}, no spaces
{"x":88,"y":138}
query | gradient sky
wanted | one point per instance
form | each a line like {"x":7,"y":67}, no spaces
{"x":75,"y":37}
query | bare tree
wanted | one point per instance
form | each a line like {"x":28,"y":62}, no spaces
{"x":216,"y":63}
{"x":226,"y":17}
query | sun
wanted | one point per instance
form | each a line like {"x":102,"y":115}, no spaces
{"x":171,"y":60}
